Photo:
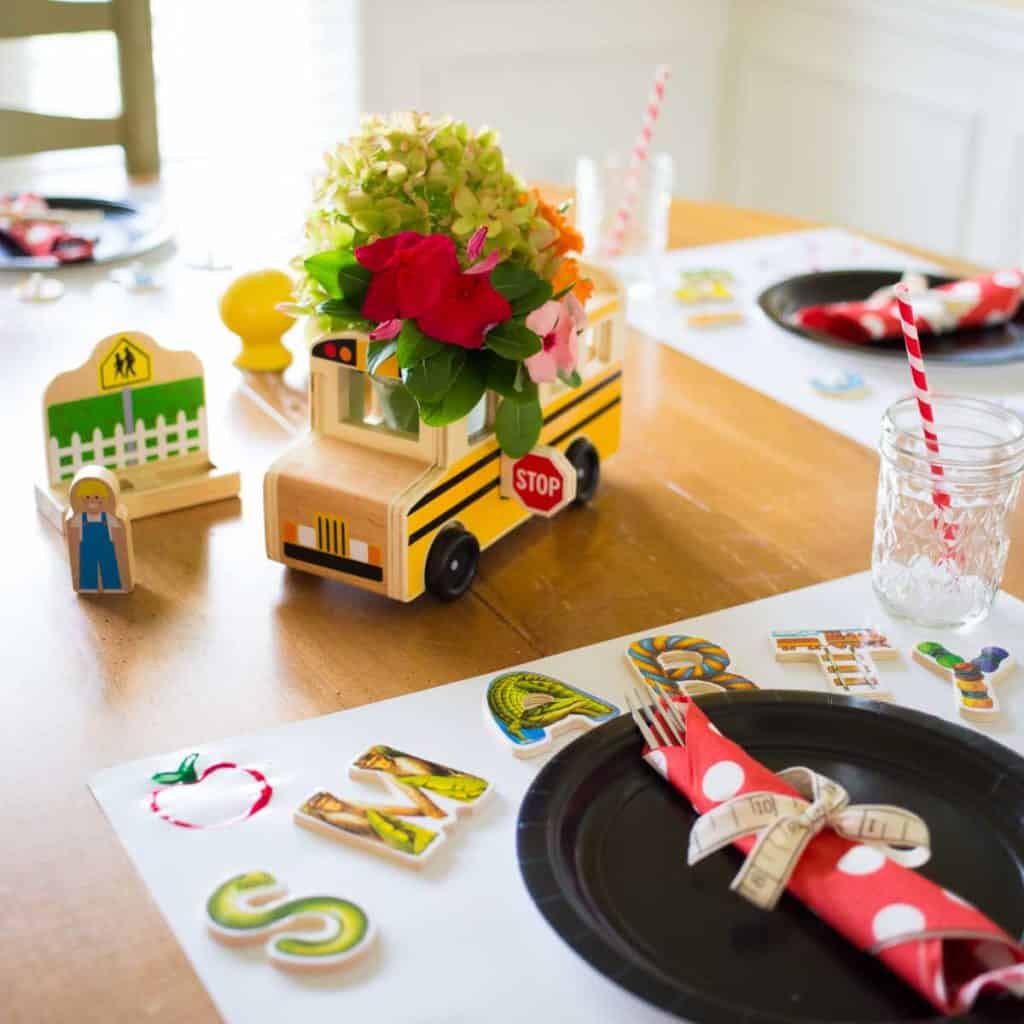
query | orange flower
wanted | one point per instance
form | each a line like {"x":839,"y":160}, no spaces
{"x":568,"y":273}
{"x":569,"y":239}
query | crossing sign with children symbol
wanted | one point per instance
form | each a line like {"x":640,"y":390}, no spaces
{"x":125,"y":365}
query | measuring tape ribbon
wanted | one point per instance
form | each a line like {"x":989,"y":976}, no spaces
{"x":785,"y":825}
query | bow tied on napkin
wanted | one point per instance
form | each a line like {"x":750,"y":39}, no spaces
{"x":785,"y":825}
{"x":800,"y":833}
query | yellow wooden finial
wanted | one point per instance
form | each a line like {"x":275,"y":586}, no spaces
{"x":248,"y":309}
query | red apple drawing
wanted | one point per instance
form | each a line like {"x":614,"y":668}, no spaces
{"x":221,"y":795}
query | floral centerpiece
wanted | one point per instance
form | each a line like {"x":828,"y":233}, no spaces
{"x":422,"y":238}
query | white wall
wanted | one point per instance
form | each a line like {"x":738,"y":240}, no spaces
{"x":556,"y":77}
{"x":901,"y":117}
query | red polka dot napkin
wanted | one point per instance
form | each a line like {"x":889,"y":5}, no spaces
{"x":935,"y":941}
{"x":974,"y":302}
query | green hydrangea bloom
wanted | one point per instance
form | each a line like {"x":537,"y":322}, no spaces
{"x":411,"y":172}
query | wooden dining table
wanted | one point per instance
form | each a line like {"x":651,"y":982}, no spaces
{"x":718,"y":496}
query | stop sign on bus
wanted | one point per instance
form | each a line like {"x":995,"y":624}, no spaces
{"x":543,"y":480}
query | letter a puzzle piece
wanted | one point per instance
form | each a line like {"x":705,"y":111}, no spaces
{"x":973,"y":681}
{"x":846,"y":656}
{"x":409,"y":832}
{"x":529,"y":709}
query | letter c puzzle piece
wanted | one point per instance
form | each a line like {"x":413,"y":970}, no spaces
{"x":973,"y":681}
{"x":684,"y":664}
{"x":309,"y":933}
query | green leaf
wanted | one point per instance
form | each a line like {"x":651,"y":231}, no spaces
{"x":533,"y":299}
{"x":513,"y":340}
{"x":466,"y":390}
{"x":346,"y":316}
{"x":184,"y":773}
{"x":430,"y":379}
{"x":323,"y":268}
{"x":340,"y":275}
{"x":513,"y":280}
{"x":378,"y":353}
{"x":354,"y":280}
{"x":570,"y":380}
{"x":501,"y":374}
{"x":414,"y":346}
{"x":517,"y":425}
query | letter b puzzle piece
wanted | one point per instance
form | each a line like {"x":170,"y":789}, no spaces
{"x":684,"y":664}
{"x":972,"y":680}
{"x":846,"y":656}
{"x":386,"y":828}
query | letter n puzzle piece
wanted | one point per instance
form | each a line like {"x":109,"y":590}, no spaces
{"x":846,"y":656}
{"x":309,"y":933}
{"x":409,"y":832}
{"x":684,"y":664}
{"x":529,"y":709}
{"x":973,"y":681}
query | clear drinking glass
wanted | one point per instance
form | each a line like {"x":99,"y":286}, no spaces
{"x":941,"y":540}
{"x":600,"y":187}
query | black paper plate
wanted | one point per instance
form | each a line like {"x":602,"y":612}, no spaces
{"x":126,"y":231}
{"x":978,"y":346}
{"x":602,"y":847}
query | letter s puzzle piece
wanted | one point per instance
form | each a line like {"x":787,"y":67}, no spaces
{"x":309,"y":933}
{"x":388,"y":829}
{"x":973,"y":681}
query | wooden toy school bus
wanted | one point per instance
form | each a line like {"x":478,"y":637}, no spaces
{"x":375,"y":498}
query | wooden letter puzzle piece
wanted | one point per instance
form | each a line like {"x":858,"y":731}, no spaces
{"x":529,"y":709}
{"x":387,"y":829}
{"x":684,"y":664}
{"x":973,"y":681}
{"x":311,"y":933}
{"x":140,"y":411}
{"x":846,"y":656}
{"x":98,"y":534}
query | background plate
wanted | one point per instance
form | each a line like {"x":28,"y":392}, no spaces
{"x":602,"y":847}
{"x":125,"y":232}
{"x":976,"y":347}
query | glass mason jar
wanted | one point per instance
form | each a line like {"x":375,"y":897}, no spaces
{"x":942,"y":521}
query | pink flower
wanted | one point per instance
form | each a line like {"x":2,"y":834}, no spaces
{"x":410,"y":271}
{"x":558,"y":324}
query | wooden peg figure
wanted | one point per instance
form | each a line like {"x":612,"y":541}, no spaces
{"x":98,"y":534}
{"x":249,"y":309}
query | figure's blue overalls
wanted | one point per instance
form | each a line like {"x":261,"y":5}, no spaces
{"x":96,"y":556}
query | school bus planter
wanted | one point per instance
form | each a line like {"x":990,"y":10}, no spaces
{"x":397,"y":506}
{"x":465,"y":370}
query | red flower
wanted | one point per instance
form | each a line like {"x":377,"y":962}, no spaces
{"x":409,"y":273}
{"x":466,"y":307}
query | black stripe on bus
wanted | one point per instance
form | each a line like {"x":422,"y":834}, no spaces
{"x":446,"y":515}
{"x":323,"y":559}
{"x":470,"y":470}
{"x":589,"y":419}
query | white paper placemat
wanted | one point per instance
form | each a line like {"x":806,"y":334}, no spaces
{"x":780,"y":364}
{"x":460,"y":940}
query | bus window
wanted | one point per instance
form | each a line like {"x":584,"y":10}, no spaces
{"x":378,"y":403}
{"x":480,"y":421}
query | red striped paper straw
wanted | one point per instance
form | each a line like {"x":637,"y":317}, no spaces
{"x":631,"y":183}
{"x":923,"y":394}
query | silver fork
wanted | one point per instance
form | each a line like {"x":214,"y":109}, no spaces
{"x":659,"y":720}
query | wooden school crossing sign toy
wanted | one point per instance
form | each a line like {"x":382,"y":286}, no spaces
{"x":375,"y":497}
{"x":140,"y":411}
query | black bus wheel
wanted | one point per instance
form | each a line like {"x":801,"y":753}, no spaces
{"x":451,"y":564}
{"x":587,"y":463}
